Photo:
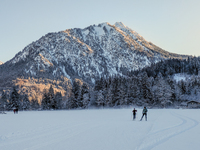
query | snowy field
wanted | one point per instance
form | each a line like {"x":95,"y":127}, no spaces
{"x":102,"y":129}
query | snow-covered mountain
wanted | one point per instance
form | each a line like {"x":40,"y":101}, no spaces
{"x":80,"y":55}
{"x":1,"y":63}
{"x":89,"y":53}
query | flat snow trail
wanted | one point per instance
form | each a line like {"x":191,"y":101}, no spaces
{"x":103,"y":129}
{"x":167,"y":130}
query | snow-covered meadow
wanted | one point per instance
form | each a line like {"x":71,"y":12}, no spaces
{"x":100,"y":129}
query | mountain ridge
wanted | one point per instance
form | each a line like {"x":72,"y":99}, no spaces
{"x":87,"y":54}
{"x":99,"y":35}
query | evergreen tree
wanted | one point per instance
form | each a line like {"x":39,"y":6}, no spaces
{"x":14,"y":101}
{"x":51,"y":95}
{"x":58,"y":100}
{"x":71,"y":102}
{"x":26,"y":105}
{"x":75,"y":100}
{"x":116,"y":92}
{"x":182,"y":87}
{"x":109,"y":97}
{"x":84,"y":95}
{"x":3,"y":101}
{"x":46,"y":101}
{"x":172,"y":86}
{"x":145,"y":87}
{"x":162,"y":91}
{"x":98,"y":84}
{"x":100,"y":98}
{"x":134,"y":89}
{"x":122,"y":92}
{"x":86,"y":100}
{"x":34,"y":104}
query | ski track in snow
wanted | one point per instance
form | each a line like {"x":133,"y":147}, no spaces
{"x":156,"y":138}
{"x":94,"y":129}
{"x":60,"y":137}
{"x":59,"y":134}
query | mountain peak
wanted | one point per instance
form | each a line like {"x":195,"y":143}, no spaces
{"x":120,"y":25}
{"x":86,"y":54}
{"x":92,"y":52}
{"x":104,"y":24}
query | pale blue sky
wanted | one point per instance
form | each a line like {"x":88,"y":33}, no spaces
{"x":173,"y":25}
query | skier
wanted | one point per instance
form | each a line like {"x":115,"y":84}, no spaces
{"x":144,"y":112}
{"x":134,"y":113}
{"x":16,"y":110}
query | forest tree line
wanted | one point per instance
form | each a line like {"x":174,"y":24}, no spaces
{"x":152,"y":86}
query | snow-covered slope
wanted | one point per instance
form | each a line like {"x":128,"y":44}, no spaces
{"x":165,"y":129}
{"x":89,"y":53}
{"x":178,"y":77}
{"x":1,"y":63}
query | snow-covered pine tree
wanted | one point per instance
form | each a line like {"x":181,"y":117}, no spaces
{"x":116,"y":92}
{"x":34,"y":104}
{"x":98,"y":84}
{"x":46,"y":102}
{"x":182,"y":87}
{"x":134,"y":89}
{"x":51,"y":96}
{"x":14,"y":101}
{"x":109,"y":97}
{"x":76,"y":90}
{"x":123,"y":92}
{"x":172,"y":86}
{"x":99,"y":92}
{"x":162,"y":92}
{"x":85,"y":96}
{"x":3,"y":101}
{"x":100,"y":98}
{"x":71,"y":102}
{"x":25,"y":104}
{"x":86,"y":100}
{"x":145,"y":86}
{"x":58,"y":100}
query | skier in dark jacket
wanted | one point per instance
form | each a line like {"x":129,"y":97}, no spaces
{"x":134,"y":113}
{"x":144,"y":112}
